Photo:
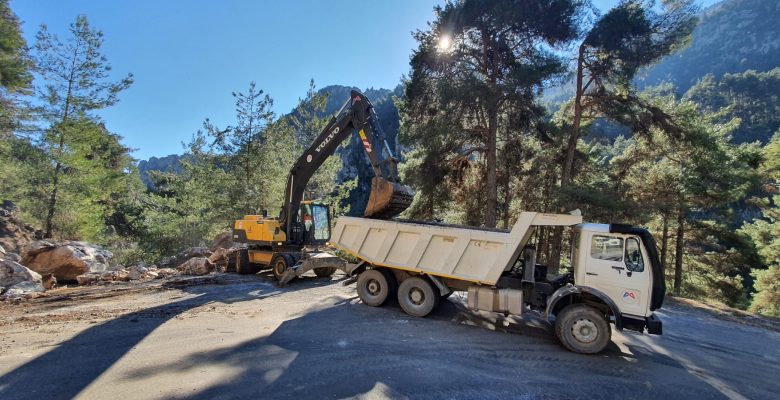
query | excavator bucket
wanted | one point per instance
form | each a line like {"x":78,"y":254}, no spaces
{"x":387,"y":199}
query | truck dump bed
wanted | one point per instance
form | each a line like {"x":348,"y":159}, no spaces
{"x":470,"y":254}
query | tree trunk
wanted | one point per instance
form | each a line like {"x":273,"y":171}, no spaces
{"x":60,"y":150}
{"x":567,"y":173}
{"x":491,"y":187}
{"x":664,"y":243}
{"x":678,"y":252}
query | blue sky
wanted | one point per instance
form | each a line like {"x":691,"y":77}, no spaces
{"x":188,"y":56}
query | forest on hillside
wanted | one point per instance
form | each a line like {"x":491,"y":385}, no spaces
{"x":695,"y":157}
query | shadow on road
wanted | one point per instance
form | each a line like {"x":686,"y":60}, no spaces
{"x":348,"y":350}
{"x":345,"y":349}
{"x":75,"y":363}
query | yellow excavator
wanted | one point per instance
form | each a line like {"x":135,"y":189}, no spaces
{"x":284,"y":242}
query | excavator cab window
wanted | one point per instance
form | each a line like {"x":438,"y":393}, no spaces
{"x":321,"y":222}
{"x":316,"y":223}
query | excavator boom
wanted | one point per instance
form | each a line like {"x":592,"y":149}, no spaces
{"x":388,"y":196}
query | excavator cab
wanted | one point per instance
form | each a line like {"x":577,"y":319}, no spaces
{"x":316,"y":222}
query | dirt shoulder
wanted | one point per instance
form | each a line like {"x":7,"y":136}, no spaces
{"x":724,"y":312}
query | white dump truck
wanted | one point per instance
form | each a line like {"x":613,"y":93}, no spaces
{"x":616,"y":275}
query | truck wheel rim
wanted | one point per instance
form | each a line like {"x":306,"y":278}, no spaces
{"x":280,"y":267}
{"x":585,"y":331}
{"x":416,"y":296}
{"x":373,"y":287}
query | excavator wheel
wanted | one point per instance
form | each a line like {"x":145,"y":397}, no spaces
{"x":387,"y":199}
{"x":243,"y":266}
{"x":280,"y":264}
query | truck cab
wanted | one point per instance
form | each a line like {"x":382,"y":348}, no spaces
{"x":616,"y":271}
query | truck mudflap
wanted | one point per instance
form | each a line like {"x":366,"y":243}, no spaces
{"x":310,"y":262}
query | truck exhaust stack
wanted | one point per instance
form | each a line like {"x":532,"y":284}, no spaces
{"x":387,"y":199}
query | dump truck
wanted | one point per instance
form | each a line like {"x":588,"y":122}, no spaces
{"x":616,"y":277}
{"x":291,"y":244}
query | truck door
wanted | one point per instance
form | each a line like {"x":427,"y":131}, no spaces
{"x":617,"y":266}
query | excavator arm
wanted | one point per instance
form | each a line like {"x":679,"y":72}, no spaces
{"x":388,"y":197}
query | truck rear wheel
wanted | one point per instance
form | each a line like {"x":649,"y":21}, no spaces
{"x":417,"y":297}
{"x":582,"y":329}
{"x":373,"y":287}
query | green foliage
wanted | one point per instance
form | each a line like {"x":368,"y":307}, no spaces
{"x":750,"y":96}
{"x":75,"y":82}
{"x":765,"y":234}
{"x":231,"y":172}
{"x":475,"y":76}
{"x":767,"y":298}
{"x":633,"y":35}
{"x":15,"y":70}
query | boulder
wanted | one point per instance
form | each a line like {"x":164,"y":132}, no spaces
{"x":25,"y":289}
{"x":166,"y":272}
{"x":16,"y":279}
{"x":137,"y":272}
{"x":49,"y":281}
{"x":222,"y":255}
{"x":13,"y":257}
{"x":89,"y":278}
{"x":185,"y":256}
{"x":122,"y":275}
{"x":65,"y":260}
{"x":197,"y":266}
{"x":223,"y":241}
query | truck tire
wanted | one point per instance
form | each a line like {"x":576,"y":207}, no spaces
{"x":582,"y":329}
{"x":392,"y":283}
{"x":417,"y":297}
{"x":373,"y":287}
{"x":243,"y":265}
{"x":280,"y":263}
{"x":324,"y":272}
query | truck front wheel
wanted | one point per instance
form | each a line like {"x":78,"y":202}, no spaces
{"x":582,"y":329}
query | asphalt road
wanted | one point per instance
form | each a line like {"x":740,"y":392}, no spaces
{"x":240,"y":337}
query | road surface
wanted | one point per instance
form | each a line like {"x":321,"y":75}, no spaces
{"x":229,"y":336}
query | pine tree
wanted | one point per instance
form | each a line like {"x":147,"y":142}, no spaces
{"x":478,"y":62}
{"x":76,"y":82}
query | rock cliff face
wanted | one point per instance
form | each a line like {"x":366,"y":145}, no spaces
{"x":733,"y":36}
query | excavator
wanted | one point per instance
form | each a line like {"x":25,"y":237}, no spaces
{"x":289,"y":244}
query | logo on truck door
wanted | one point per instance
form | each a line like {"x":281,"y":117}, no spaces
{"x":630,"y":296}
